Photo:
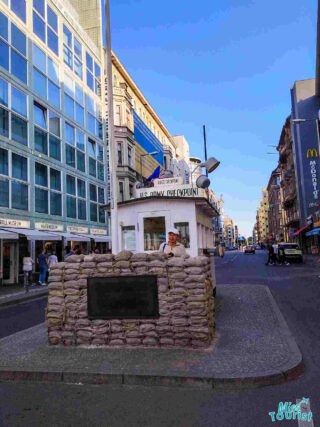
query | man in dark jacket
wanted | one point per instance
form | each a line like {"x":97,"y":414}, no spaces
{"x":270,"y":255}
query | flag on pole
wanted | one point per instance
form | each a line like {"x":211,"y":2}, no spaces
{"x":155,"y":174}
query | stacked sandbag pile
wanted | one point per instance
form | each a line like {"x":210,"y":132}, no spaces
{"x":186,"y":304}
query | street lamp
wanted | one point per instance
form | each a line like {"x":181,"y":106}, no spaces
{"x":203,"y":181}
{"x":153,"y":153}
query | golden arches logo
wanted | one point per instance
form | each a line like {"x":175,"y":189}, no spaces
{"x":312,"y":152}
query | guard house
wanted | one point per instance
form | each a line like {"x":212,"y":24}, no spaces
{"x":143,"y":221}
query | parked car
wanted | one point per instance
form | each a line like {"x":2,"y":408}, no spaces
{"x":291,"y":251}
{"x":249,"y":249}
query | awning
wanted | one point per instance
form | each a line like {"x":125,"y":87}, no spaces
{"x":301,"y":229}
{"x":313,"y":232}
{"x":34,"y":234}
{"x":101,"y":238}
{"x":73,"y":237}
{"x":8,"y":235}
{"x":95,"y":237}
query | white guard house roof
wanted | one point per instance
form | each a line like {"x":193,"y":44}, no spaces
{"x":33,"y":234}
{"x":8,"y":235}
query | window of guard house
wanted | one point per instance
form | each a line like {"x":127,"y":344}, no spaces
{"x":184,"y":235}
{"x":154,"y":233}
{"x":129,"y":238}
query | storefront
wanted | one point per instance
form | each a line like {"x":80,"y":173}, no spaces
{"x":143,"y":222}
{"x":17,"y":239}
{"x":17,"y":243}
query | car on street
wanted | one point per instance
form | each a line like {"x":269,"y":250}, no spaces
{"x":249,"y":250}
{"x":292,"y":251}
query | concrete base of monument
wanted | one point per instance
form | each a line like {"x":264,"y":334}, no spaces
{"x":253,"y":348}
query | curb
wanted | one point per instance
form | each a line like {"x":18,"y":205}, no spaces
{"x":17,"y":300}
{"x":154,"y":380}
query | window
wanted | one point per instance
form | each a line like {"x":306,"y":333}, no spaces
{"x":131,"y":191}
{"x":46,"y":132}
{"x":93,"y":75}
{"x":129,"y":157}
{"x":121,"y":191}
{"x":19,"y":8}
{"x":154,"y":232}
{"x":13,"y":45}
{"x":45,"y":25}
{"x":73,"y":100}
{"x":18,"y":182}
{"x":97,"y":200}
{"x":94,"y":123}
{"x":45,"y":77}
{"x":184,"y":234}
{"x":16,"y":113}
{"x":72,"y":52}
{"x":128,"y":238}
{"x":76,"y":198}
{"x":75,"y":156}
{"x":96,"y":157}
{"x":119,"y":153}
{"x":117,"y":116}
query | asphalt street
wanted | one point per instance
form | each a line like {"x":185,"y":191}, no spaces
{"x":296,"y":289}
{"x":22,"y":316}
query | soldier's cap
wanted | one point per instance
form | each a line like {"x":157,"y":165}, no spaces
{"x":173,"y":230}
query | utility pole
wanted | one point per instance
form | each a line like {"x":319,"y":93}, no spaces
{"x":205,"y":145}
{"x":112,"y":148}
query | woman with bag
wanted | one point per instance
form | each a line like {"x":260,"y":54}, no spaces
{"x":27,"y":270}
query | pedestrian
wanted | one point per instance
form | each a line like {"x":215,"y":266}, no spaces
{"x":52,"y":259}
{"x":27,"y":270}
{"x":172,"y":247}
{"x":221,"y":253}
{"x":43,"y":265}
{"x":270,"y":255}
{"x":68,"y":252}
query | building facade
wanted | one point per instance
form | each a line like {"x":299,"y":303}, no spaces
{"x":275,"y":223}
{"x":52,"y":136}
{"x":262,"y":217}
{"x":138,"y":132}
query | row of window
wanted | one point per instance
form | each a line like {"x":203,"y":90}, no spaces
{"x":47,"y":135}
{"x":14,"y":190}
{"x":45,"y":26}
{"x":120,"y":154}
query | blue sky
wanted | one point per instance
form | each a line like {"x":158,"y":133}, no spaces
{"x":228,"y":64}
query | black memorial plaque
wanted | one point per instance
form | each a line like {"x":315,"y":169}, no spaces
{"x":126,"y":297}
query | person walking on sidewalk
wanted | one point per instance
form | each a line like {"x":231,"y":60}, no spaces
{"x":43,"y":264}
{"x":52,"y":259}
{"x":27,"y":270}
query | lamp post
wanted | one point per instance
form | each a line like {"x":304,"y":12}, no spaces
{"x":112,"y":143}
{"x":203,"y":181}
{"x":153,"y":153}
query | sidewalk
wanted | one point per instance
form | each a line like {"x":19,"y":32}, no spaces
{"x":15,"y":294}
{"x":253,"y":348}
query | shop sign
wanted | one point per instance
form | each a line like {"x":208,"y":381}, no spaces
{"x":74,"y":229}
{"x":47,"y":226}
{"x":98,"y":231}
{"x":14,"y":223}
{"x":183,"y":191}
{"x":158,"y":182}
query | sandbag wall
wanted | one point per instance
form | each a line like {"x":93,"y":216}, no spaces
{"x":185,"y":293}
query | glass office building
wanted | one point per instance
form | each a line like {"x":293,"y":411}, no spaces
{"x":52,"y":135}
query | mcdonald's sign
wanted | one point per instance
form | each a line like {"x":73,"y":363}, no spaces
{"x":312,"y":152}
